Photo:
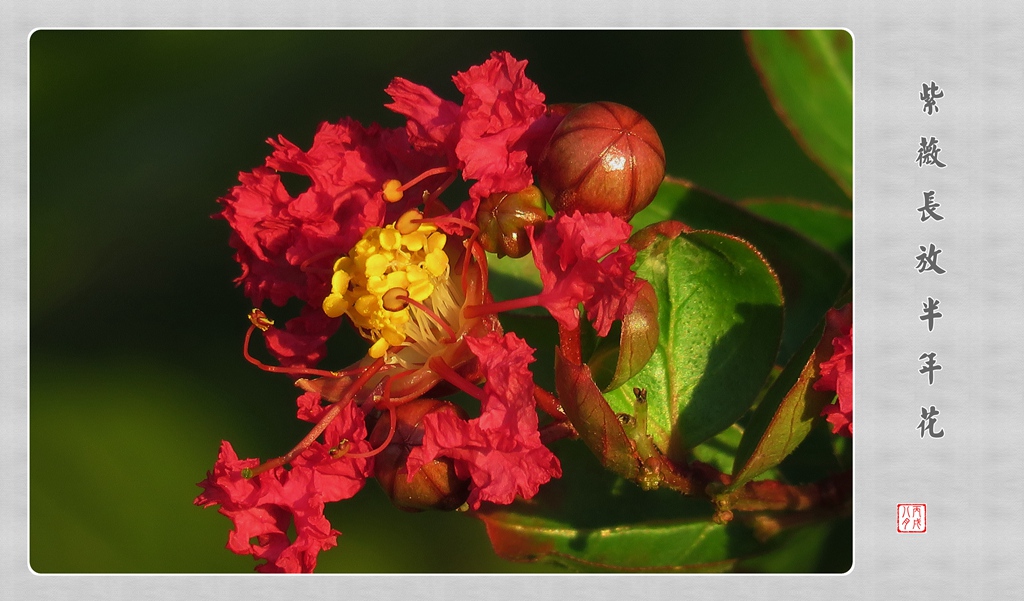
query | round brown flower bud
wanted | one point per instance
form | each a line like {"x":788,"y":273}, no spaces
{"x":503,"y":218}
{"x":435,"y":485}
{"x":603,"y":156}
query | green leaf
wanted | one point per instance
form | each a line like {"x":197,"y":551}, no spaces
{"x":812,"y":277}
{"x":786,"y":414}
{"x":720,"y":318}
{"x":823,"y":547}
{"x":809,"y":79}
{"x":815,"y":459}
{"x":831,"y":227}
{"x":514,"y":278}
{"x":593,"y":520}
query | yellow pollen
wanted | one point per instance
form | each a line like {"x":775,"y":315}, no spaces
{"x":406,"y":224}
{"x":421,"y":290}
{"x":377,"y":349}
{"x":436,"y":262}
{"x":415,"y":241}
{"x":391,"y":190}
{"x":386,"y":266}
{"x":376,"y":265}
{"x":436,"y":240}
{"x":339,"y":282}
{"x":335,"y":305}
{"x":390,"y":238}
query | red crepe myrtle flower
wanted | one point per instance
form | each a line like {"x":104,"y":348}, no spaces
{"x":489,"y":137}
{"x":265,"y":506}
{"x":837,"y":371}
{"x":359,"y":245}
{"x":582,"y":258}
{"x":501,"y":450}
{"x":578,"y":262}
{"x":277,"y":236}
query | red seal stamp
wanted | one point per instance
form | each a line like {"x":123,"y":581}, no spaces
{"x":911,"y":517}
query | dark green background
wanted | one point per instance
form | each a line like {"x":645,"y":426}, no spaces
{"x":136,"y":328}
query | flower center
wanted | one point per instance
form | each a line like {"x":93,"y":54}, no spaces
{"x":390,"y":283}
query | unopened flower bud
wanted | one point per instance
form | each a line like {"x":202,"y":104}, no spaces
{"x":503,"y":218}
{"x":435,"y":485}
{"x":603,"y":156}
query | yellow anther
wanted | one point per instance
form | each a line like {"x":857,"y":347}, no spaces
{"x":401,"y":260}
{"x":387,"y":278}
{"x":339,"y":283}
{"x":259,"y":319}
{"x":390,"y":238}
{"x":414,"y":241}
{"x":406,"y":224}
{"x":393,"y":336}
{"x":395,"y":299}
{"x":435,"y":241}
{"x":400,"y":318}
{"x":343,"y":264}
{"x":392,"y":193}
{"x":436,"y":262}
{"x":421,"y":290}
{"x":364,"y":248}
{"x":397,"y":279}
{"x":375,"y":265}
{"x":367,"y":304}
{"x":335,"y":305}
{"x":377,"y":285}
{"x":378,"y":348}
{"x":415,"y":273}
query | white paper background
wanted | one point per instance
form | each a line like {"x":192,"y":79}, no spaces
{"x":970,"y":479}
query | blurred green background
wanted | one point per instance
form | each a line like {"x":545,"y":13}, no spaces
{"x":136,"y":371}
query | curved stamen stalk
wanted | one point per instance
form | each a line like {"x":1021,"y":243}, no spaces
{"x":445,"y":371}
{"x":326,"y":254}
{"x":386,"y":401}
{"x":470,"y":245}
{"x":425,"y":175}
{"x":452,"y":220}
{"x":277,"y":369}
{"x":411,"y":394}
{"x":557,"y":431}
{"x":481,"y":259}
{"x":444,"y":186}
{"x":320,"y":426}
{"x":505,"y":305}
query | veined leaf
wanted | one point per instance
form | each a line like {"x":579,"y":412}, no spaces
{"x":720,"y":321}
{"x":785,"y":415}
{"x":812,"y":277}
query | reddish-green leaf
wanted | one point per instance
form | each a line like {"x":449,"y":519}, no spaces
{"x":692,"y":546}
{"x":597,"y":424}
{"x":593,"y":520}
{"x":787,"y":412}
{"x":638,"y":338}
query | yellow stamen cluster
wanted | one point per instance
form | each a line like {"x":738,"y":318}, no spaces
{"x":388,"y":265}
